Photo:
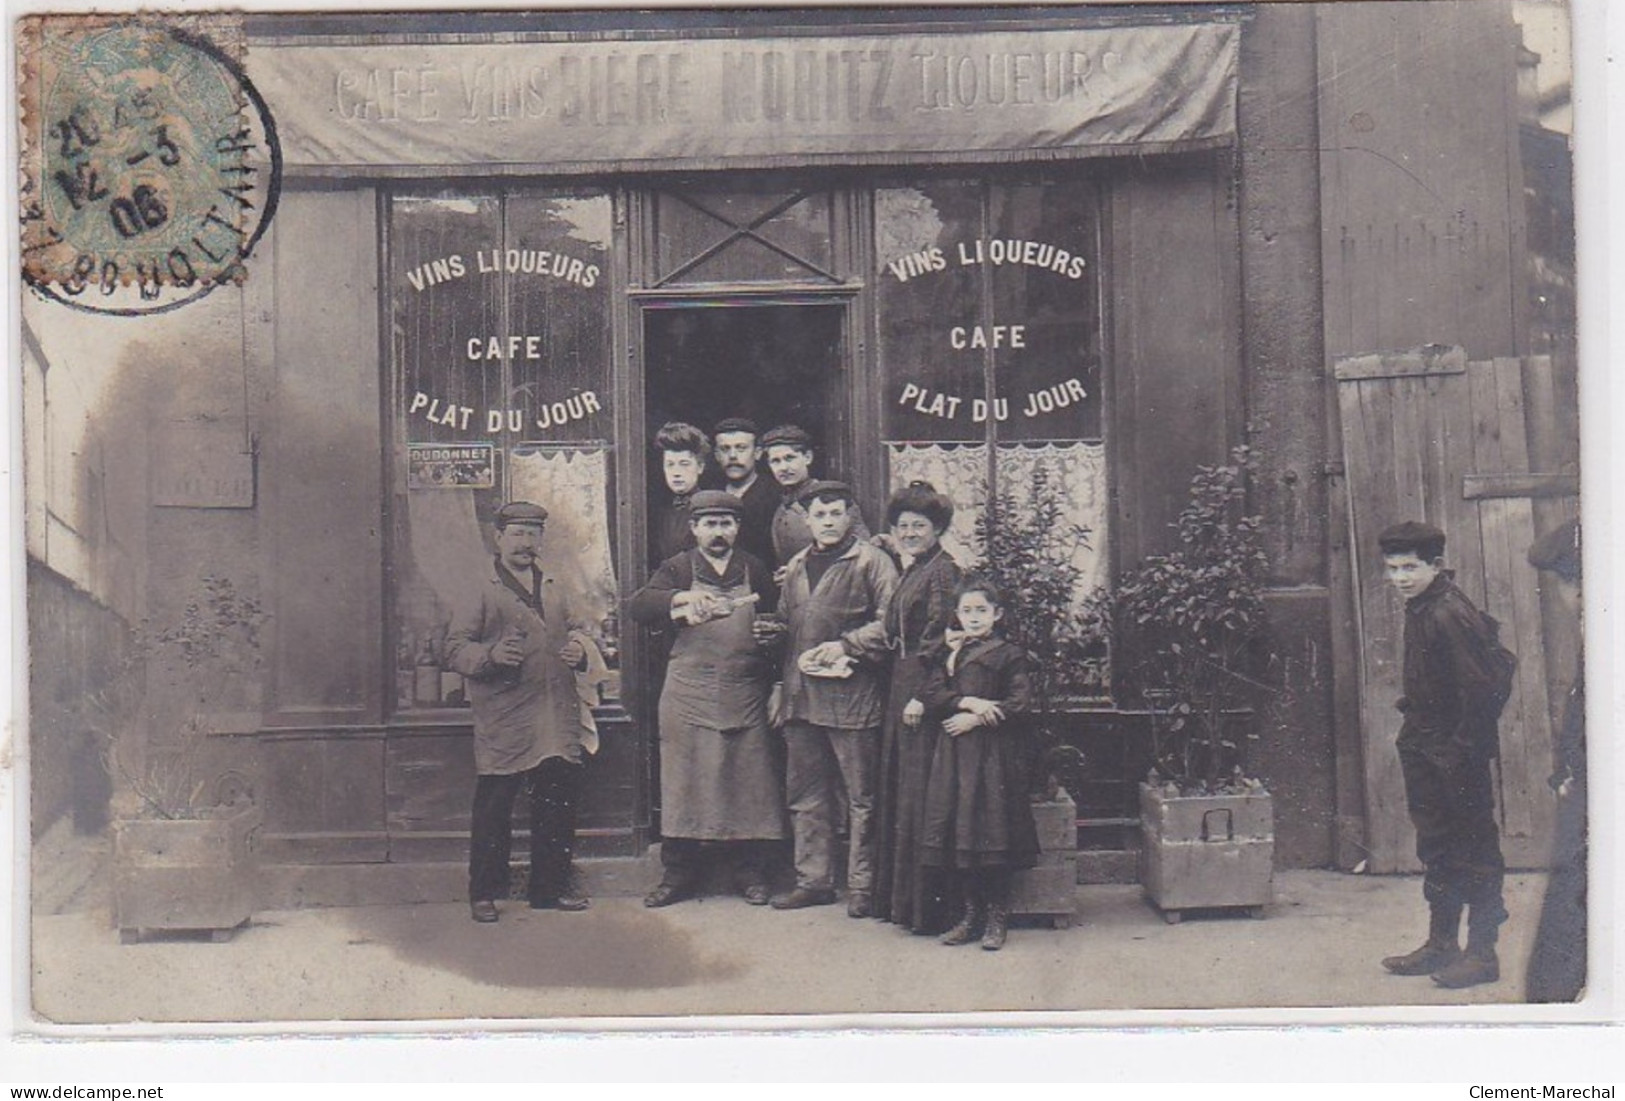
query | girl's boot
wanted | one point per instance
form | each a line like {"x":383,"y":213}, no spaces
{"x":970,"y":923}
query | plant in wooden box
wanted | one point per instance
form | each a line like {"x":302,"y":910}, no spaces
{"x":1193,"y":619}
{"x":1031,"y":550}
{"x":183,"y":832}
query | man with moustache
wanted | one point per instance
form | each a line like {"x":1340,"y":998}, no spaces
{"x":834,"y":599}
{"x":510,"y":637}
{"x":738,"y":452}
{"x":719,"y":784}
{"x":789,"y":452}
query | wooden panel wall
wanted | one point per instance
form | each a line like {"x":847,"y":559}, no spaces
{"x":1414,"y":429}
{"x":1421,"y":185}
{"x":320,"y":471}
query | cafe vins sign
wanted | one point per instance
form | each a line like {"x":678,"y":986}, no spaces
{"x":734,"y":103}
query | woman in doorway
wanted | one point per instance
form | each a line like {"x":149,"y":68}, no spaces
{"x":916,"y":517}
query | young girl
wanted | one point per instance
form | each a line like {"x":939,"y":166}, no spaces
{"x":978,"y":821}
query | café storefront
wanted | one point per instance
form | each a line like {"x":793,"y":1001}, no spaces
{"x":504,"y":257}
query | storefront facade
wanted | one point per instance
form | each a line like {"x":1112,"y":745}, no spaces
{"x":508,"y":250}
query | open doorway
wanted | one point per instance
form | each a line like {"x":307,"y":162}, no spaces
{"x":774,"y":364}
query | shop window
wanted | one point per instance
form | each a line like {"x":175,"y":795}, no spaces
{"x":743,"y":236}
{"x":500,"y":309}
{"x":989,"y":323}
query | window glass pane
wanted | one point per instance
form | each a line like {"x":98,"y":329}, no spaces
{"x":1045,"y":322}
{"x":799,"y":237}
{"x":441,"y":302}
{"x":502,"y":337}
{"x":929,"y":298}
{"x":558,"y":339}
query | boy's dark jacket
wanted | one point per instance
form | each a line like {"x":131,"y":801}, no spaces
{"x":1454,"y":676}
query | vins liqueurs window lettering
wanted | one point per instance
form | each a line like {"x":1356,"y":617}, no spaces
{"x":501,"y":349}
{"x":990,"y":350}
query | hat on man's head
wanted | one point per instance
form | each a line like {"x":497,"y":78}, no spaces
{"x":736,"y":424}
{"x":788,"y":435}
{"x":1412,"y":537}
{"x":520,"y":512}
{"x":1559,"y":551}
{"x":825,"y":489}
{"x":710,"y":502}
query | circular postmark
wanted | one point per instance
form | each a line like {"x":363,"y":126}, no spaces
{"x":152,"y":166}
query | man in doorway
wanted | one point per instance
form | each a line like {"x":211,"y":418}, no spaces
{"x":683,"y":450}
{"x":1456,"y":678}
{"x":510,"y":637}
{"x":738,"y":453}
{"x":719,"y":782}
{"x":789,"y":452}
{"x":834,"y":599}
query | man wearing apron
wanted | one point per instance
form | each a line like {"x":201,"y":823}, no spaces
{"x":719,"y":778}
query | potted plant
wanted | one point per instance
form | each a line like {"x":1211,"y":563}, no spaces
{"x":1029,"y":549}
{"x":183,"y":831}
{"x":1194,"y":619}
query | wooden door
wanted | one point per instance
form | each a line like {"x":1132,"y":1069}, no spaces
{"x":1429,"y":436}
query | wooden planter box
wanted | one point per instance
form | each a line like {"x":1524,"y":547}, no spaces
{"x":1050,"y":889}
{"x":185,"y":873}
{"x":1207,"y":851}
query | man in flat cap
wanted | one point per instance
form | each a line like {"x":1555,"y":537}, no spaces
{"x":834,"y":598}
{"x":1456,"y":677}
{"x":789,"y":451}
{"x":1557,"y":963}
{"x":738,"y":452}
{"x":510,"y":636}
{"x":720,"y":791}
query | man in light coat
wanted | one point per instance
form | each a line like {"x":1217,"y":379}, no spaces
{"x":834,"y":598}
{"x":510,"y":636}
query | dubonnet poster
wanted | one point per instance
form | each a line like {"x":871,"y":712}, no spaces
{"x":645,"y":516}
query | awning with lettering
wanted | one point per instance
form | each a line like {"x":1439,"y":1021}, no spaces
{"x":418,"y":108}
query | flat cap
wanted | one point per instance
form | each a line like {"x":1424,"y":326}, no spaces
{"x":736,"y":424}
{"x":711,"y":501}
{"x":825,"y":488}
{"x":791,"y":435}
{"x":520,"y":512}
{"x":1559,"y":551}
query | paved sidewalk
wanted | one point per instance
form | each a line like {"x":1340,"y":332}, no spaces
{"x":1317,"y":946}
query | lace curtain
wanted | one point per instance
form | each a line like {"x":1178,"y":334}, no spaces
{"x":1078,"y":470}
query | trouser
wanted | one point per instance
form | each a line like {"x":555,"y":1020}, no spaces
{"x":1452,"y":807}
{"x":683,"y":860}
{"x":552,"y":789}
{"x":821,"y":760}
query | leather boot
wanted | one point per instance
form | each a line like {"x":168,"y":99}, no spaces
{"x":1442,"y":947}
{"x":998,"y":918}
{"x":1479,"y":963}
{"x":969,"y":925}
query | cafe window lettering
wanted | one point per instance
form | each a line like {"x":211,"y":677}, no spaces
{"x":499,"y":311}
{"x":990,"y":350}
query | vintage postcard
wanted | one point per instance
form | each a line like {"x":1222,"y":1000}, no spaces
{"x":634,"y":516}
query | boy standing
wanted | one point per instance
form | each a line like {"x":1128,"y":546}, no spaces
{"x":1455,"y":678}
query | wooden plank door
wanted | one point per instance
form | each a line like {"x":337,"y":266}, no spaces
{"x":1424,"y":434}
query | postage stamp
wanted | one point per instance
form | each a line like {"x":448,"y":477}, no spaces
{"x":149,"y":166}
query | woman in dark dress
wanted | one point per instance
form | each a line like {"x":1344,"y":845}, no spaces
{"x":916,"y":517}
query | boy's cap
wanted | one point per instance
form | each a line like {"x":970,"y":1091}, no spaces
{"x":787,"y":435}
{"x":825,"y":488}
{"x":736,"y":424}
{"x":520,"y":512}
{"x":713,"y":501}
{"x":1408,"y":536}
